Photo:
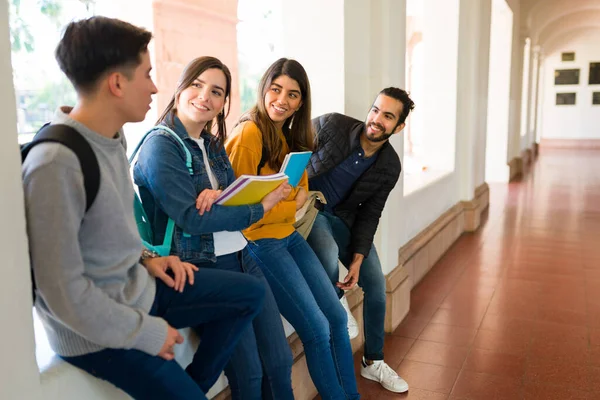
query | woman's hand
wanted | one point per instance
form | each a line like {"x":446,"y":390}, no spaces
{"x":301,"y":198}
{"x":280,"y":193}
{"x":205,"y":200}
{"x":182,"y":271}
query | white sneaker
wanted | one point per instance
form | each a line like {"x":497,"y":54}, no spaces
{"x":380,"y":372}
{"x":352,"y":324}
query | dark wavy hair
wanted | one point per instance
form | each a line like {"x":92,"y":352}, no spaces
{"x":297,"y":129}
{"x":402,"y":96}
{"x":195,"y":68}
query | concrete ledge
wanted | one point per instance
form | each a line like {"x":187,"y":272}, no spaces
{"x":515,"y":169}
{"x":421,"y":253}
{"x":415,"y":259}
{"x":570,"y":144}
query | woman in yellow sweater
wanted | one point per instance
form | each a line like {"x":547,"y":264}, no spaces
{"x":277,"y":124}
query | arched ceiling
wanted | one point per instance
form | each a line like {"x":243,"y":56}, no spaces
{"x":558,"y":42}
{"x":546,"y":21}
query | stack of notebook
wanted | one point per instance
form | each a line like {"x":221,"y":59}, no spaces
{"x":250,"y":189}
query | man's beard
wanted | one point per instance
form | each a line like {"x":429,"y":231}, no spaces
{"x":382,"y":138}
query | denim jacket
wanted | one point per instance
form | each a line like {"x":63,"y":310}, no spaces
{"x":168,"y":190}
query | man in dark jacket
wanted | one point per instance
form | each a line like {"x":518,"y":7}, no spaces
{"x":356,"y":167}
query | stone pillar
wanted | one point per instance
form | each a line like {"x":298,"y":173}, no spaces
{"x":514,"y":133}
{"x":473,"y":69}
{"x":534,"y":97}
{"x":186,"y":29}
{"x":19,"y":375}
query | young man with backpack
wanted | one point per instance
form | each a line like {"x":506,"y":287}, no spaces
{"x":109,"y":306}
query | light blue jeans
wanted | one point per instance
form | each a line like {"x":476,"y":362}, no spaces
{"x":307,"y":300}
{"x":330,"y":240}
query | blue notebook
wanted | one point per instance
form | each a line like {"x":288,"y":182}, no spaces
{"x":294,"y":165}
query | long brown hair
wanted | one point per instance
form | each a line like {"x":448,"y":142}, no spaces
{"x":297,"y":129}
{"x":194,"y":69}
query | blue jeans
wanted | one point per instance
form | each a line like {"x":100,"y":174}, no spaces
{"x":265,"y":340}
{"x":214,"y":302}
{"x":307,"y":300}
{"x":330,"y":240}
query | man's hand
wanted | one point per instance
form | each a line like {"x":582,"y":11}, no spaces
{"x":182,"y":271}
{"x":168,"y":348}
{"x":281,"y":192}
{"x":301,"y":197}
{"x":205,"y":200}
{"x":353,"y":273}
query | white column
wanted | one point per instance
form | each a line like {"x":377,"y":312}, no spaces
{"x":485,"y":28}
{"x":535,"y":89}
{"x":516,"y":77}
{"x":499,"y":88}
{"x":525,"y":93}
{"x":388,"y":36}
{"x":474,"y":33}
{"x":19,"y":375}
{"x":539,"y":117}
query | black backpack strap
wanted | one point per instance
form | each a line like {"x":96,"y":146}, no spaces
{"x":72,"y":139}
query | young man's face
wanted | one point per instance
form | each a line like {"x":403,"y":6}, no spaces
{"x":139,"y":91}
{"x":382,"y":120}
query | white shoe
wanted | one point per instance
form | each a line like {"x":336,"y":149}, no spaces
{"x":352,"y":324}
{"x":380,"y":372}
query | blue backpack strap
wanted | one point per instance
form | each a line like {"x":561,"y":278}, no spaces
{"x":188,"y":155}
{"x":143,"y":223}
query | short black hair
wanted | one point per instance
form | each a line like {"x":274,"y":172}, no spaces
{"x":402,"y":96}
{"x":91,"y":47}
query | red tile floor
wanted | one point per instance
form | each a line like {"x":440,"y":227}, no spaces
{"x":513,"y":310}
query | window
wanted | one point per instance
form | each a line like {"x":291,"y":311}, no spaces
{"x":40,"y":86}
{"x":565,"y":98}
{"x":258,"y":45}
{"x":568,"y":56}
{"x":430,"y":133}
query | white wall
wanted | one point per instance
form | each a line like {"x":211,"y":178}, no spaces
{"x":324,"y":63}
{"x":582,"y":120}
{"x":19,"y":377}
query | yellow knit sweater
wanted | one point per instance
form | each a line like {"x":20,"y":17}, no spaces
{"x":244,"y":148}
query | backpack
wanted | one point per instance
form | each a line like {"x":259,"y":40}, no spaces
{"x":72,"y":139}
{"x":141,"y":218}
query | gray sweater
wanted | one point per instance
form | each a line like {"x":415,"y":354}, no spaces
{"x":92,"y":291}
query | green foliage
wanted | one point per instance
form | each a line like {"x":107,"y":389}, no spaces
{"x":21,"y":38}
{"x":54,"y":95}
{"x":52,"y":9}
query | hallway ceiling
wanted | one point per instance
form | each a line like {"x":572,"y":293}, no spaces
{"x":551,"y":23}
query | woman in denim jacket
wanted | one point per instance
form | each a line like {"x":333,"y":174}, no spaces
{"x":206,"y":234}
